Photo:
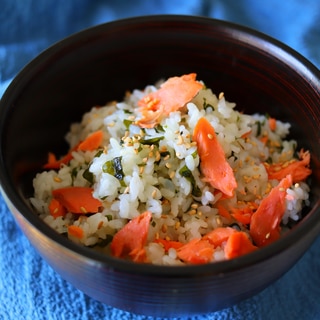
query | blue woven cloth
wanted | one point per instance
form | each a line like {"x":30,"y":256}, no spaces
{"x":29,"y":288}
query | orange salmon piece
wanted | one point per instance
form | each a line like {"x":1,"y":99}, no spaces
{"x":78,"y":200}
{"x":76,"y":231}
{"x":245,"y":213}
{"x":56,"y":208}
{"x":92,"y":142}
{"x":238,"y":244}
{"x":172,"y":95}
{"x":197,"y":251}
{"x":265,"y":222}
{"x":219,"y":235}
{"x":168,"y":244}
{"x":131,"y":239}
{"x":213,"y":163}
{"x":298,"y":169}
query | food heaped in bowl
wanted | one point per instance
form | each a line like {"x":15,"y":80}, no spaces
{"x":174,"y":175}
{"x":93,"y":67}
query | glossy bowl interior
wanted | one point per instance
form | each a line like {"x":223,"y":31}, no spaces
{"x":100,"y":64}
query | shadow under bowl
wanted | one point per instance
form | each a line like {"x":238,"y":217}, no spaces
{"x":98,"y":65}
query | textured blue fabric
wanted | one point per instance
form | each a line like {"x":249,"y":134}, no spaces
{"x":29,"y":288}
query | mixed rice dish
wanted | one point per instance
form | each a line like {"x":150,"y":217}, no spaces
{"x":174,"y":175}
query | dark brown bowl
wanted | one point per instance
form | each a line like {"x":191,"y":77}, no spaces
{"x":100,"y":64}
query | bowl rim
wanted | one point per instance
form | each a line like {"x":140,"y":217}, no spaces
{"x":246,"y":35}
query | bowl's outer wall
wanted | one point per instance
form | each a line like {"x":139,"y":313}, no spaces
{"x":99,"y":65}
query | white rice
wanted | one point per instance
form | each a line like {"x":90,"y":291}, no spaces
{"x":151,"y":172}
